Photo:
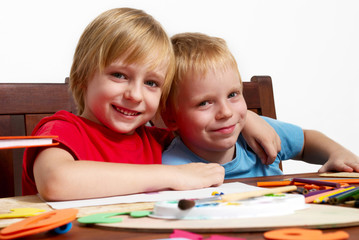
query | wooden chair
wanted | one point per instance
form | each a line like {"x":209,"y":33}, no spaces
{"x":24,"y":104}
{"x":259,"y":96}
{"x":22,"y":107}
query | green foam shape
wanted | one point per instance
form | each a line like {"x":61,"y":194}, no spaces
{"x":139,"y":214}
{"x":102,"y":218}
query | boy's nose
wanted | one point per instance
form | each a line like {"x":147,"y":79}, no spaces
{"x":224,"y":111}
{"x":133,"y":93}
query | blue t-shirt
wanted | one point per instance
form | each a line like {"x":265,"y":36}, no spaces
{"x":246,"y":163}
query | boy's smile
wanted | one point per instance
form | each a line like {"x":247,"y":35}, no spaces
{"x":211,"y":113}
{"x":124,"y":96}
{"x":225,"y":130}
{"x":126,"y":112}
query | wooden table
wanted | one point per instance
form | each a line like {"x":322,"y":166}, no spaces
{"x":80,"y":232}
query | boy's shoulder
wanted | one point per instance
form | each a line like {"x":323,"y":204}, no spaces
{"x":162,"y":135}
{"x":282,"y":127}
{"x":291,"y":136}
{"x":60,"y":115}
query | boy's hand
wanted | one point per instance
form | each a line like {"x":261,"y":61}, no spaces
{"x":262,"y":138}
{"x":341,"y":160}
{"x":197,"y":175}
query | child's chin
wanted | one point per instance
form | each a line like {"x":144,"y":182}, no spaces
{"x":226,"y":146}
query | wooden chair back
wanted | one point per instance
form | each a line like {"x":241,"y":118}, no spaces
{"x":22,"y":107}
{"x":259,"y":96}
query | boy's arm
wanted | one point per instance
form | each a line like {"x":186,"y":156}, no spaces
{"x":59,"y":177}
{"x":261,"y":137}
{"x":319,"y":149}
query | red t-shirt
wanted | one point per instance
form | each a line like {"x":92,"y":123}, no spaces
{"x":87,"y":140}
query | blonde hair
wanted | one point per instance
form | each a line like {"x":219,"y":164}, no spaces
{"x":126,"y":32}
{"x":197,"y":53}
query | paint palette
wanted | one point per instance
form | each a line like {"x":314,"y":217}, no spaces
{"x":265,"y":206}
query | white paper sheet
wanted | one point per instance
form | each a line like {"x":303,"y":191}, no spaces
{"x":226,"y":188}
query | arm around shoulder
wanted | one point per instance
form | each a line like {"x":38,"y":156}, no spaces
{"x":261,"y":137}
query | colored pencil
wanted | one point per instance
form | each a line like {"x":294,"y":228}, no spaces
{"x":343,"y":180}
{"x":315,"y":182}
{"x":302,"y":190}
{"x":310,"y":199}
{"x":353,"y":197}
{"x":286,"y":182}
{"x":354,"y":203}
{"x":324,"y":198}
{"x":273,"y":183}
{"x":311,"y":193}
{"x":342,"y":197}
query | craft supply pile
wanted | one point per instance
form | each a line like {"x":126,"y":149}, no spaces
{"x":237,"y":206}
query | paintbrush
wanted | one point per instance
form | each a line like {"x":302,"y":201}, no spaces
{"x":185,"y":204}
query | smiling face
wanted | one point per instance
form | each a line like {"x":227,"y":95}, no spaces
{"x":123,"y":96}
{"x":211,"y":112}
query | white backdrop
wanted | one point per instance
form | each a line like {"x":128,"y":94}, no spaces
{"x":310,"y":48}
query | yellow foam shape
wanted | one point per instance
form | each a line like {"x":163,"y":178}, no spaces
{"x":22,"y":213}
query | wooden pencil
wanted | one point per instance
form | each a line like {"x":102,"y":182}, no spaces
{"x":342,"y":197}
{"x":316,"y":182}
{"x":353,"y":203}
{"x":257,"y":193}
{"x":323,"y":199}
{"x":310,"y":199}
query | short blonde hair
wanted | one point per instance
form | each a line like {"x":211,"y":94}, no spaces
{"x":198,"y":53}
{"x":127,"y":32}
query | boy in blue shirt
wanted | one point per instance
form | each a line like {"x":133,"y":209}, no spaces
{"x":207,"y":109}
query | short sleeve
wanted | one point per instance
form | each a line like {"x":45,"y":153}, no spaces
{"x":291,"y":136}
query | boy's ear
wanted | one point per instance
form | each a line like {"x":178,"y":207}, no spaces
{"x":169,"y":118}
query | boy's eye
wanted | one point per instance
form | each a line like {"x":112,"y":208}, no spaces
{"x":204,"y":103}
{"x":118,"y":75}
{"x":151,"y":83}
{"x":233,"y":94}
